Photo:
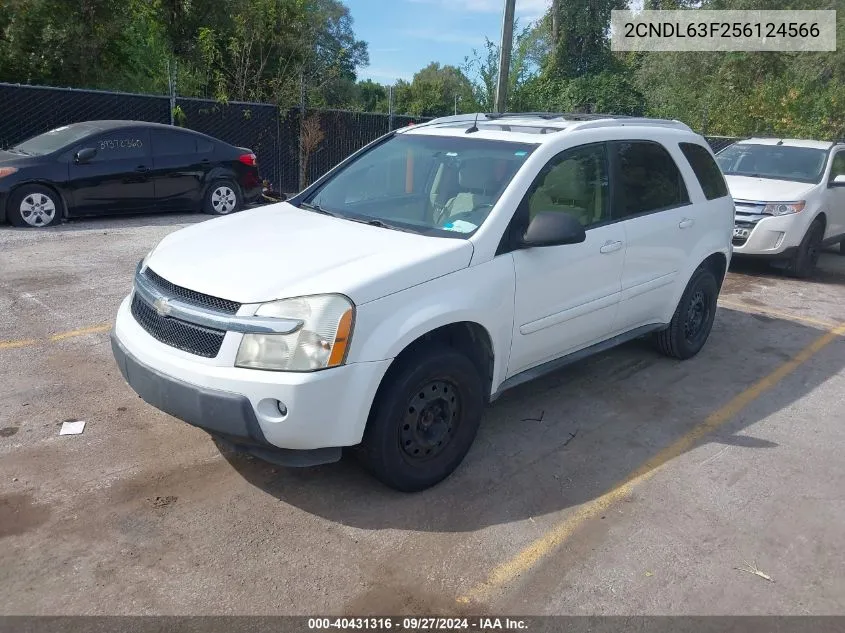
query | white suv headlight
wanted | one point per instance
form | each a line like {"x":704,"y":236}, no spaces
{"x":783,"y":208}
{"x":321,"y":342}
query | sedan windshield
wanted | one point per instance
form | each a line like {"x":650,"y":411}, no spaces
{"x":780,"y":162}
{"x":436,"y":185}
{"x":53,"y":140}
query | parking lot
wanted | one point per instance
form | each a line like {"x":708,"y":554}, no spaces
{"x":625,"y":484}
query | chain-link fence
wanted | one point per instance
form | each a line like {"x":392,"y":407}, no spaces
{"x":292,"y":151}
{"x":274,"y":135}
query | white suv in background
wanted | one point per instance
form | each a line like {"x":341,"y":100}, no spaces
{"x":790,"y":199}
{"x":442,"y":264}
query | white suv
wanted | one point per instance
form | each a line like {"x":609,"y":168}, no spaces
{"x":790,"y":199}
{"x":442,"y":264}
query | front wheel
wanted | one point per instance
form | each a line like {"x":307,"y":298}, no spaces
{"x":803,"y":263}
{"x":222,"y":198}
{"x":424,"y":419}
{"x":693,"y":319}
{"x":34,"y":206}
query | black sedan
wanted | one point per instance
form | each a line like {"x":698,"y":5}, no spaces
{"x":109,"y":167}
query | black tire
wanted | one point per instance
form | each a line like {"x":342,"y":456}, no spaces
{"x":803,"y":264}
{"x":34,"y":206}
{"x":424,"y":419}
{"x":223,"y":197}
{"x":693,"y":319}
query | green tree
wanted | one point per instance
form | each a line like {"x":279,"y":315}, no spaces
{"x":579,"y":34}
{"x":433,"y":92}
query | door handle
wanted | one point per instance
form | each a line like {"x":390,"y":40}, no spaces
{"x":610,"y":247}
{"x":686,"y":223}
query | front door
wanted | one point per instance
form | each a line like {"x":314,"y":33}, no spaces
{"x":836,"y":197}
{"x":567,"y":296}
{"x":117,"y":179}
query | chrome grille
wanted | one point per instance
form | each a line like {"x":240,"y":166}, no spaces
{"x":191,"y":338}
{"x":191,"y":296}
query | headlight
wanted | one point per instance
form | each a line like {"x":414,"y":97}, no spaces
{"x":7,"y":171}
{"x":783,"y":208}
{"x":321,"y":342}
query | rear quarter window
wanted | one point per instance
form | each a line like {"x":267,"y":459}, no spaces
{"x":706,"y":170}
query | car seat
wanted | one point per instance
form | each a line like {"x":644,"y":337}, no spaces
{"x":477,"y":183}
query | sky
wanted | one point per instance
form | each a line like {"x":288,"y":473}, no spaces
{"x":406,"y":35}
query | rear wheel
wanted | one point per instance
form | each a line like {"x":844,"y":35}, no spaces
{"x":803,"y":263}
{"x":424,"y":419}
{"x":690,"y":326}
{"x":34,"y":206}
{"x":222,"y":198}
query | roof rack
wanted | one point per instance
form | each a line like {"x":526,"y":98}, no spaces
{"x":580,"y":120}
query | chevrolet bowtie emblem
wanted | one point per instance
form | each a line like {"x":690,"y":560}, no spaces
{"x":162,"y":307}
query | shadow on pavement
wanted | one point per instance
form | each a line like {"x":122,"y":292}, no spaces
{"x":831,"y":270}
{"x":573,"y":435}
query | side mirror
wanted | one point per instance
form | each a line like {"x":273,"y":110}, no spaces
{"x":85,"y":155}
{"x":838,"y":181}
{"x":552,"y":228}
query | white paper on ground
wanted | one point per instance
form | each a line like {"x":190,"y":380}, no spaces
{"x":72,"y":428}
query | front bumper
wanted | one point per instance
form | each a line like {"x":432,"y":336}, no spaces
{"x":325,"y":409}
{"x":768,"y":236}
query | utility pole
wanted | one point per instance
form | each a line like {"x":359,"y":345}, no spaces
{"x":456,"y":104}
{"x":505,"y":57}
{"x":390,"y":108}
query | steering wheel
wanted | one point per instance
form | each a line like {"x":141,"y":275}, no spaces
{"x":468,"y":216}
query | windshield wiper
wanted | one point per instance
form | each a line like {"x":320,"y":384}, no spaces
{"x":380,"y":224}
{"x":15,"y":150}
{"x":318,"y":209}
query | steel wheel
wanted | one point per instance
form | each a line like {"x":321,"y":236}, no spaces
{"x":223,"y":199}
{"x":37,"y":210}
{"x":697,"y":314}
{"x":431,"y":419}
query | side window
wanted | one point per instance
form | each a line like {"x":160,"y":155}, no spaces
{"x":706,"y":170}
{"x":838,"y":167}
{"x":121,"y":145}
{"x":648,"y":179}
{"x":167,"y":143}
{"x":574,"y":182}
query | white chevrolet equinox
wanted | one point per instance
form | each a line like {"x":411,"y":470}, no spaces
{"x":386,"y":304}
{"x":790,"y":199}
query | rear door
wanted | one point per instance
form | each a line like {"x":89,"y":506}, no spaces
{"x":117,"y":179}
{"x":181,"y":161}
{"x":653,"y":205}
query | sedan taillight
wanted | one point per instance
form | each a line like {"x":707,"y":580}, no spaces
{"x":248,"y":159}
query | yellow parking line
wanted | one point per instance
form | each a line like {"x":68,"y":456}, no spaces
{"x":15,"y":344}
{"x":94,"y":329}
{"x":775,"y":313}
{"x":30,"y":342}
{"x":551,"y":540}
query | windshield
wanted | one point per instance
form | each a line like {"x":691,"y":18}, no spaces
{"x":436,"y":185}
{"x":781,"y":162}
{"x":53,"y":140}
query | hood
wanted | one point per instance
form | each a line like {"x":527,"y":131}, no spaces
{"x":9,"y":159}
{"x":767,"y":189}
{"x":280,"y":251}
